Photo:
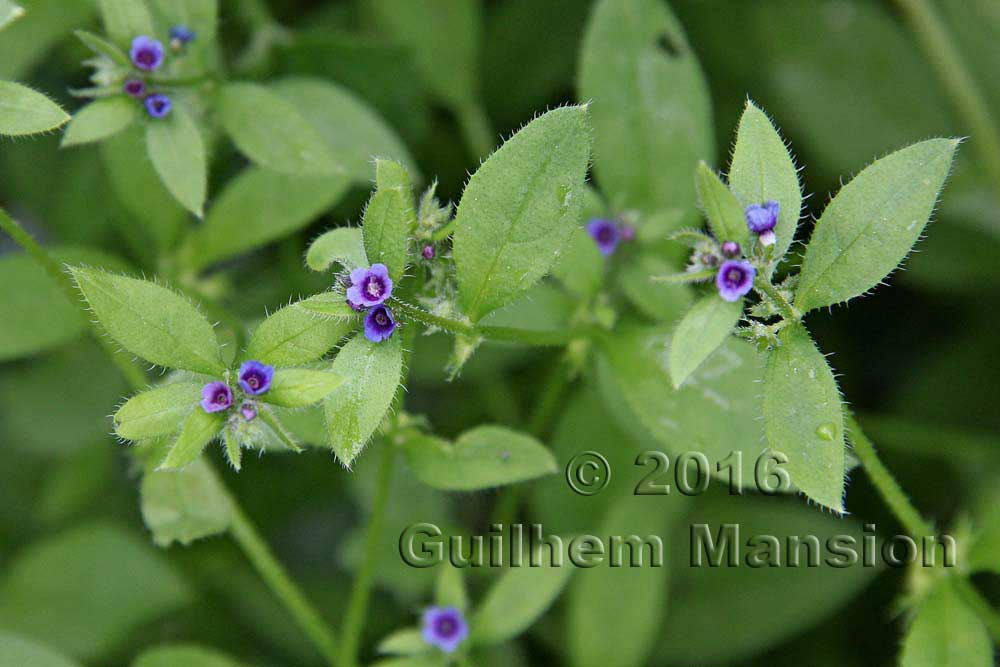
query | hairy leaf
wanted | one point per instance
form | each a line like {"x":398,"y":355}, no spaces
{"x":100,"y":119}
{"x":184,"y":505}
{"x":725,"y":215}
{"x":385,"y":229}
{"x":343,"y":245}
{"x":157,"y":412}
{"x":296,"y":335}
{"x":299,"y":387}
{"x":198,"y":430}
{"x":26,"y":111}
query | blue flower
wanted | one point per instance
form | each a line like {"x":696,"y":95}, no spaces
{"x":146,"y":53}
{"x":158,"y":105}
{"x":444,"y":627}
{"x":216,"y":397}
{"x":734,"y":279}
{"x":255,"y":377}
{"x":369,"y":287}
{"x":134,"y":87}
{"x":605,"y":233}
{"x":180,"y":35}
{"x":761,"y":219}
{"x":379,"y":324}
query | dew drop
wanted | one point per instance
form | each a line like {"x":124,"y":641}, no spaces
{"x":827,"y":431}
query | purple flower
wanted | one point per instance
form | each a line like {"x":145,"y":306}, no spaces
{"x":158,"y":105}
{"x":428,"y":252}
{"x":379,"y":324}
{"x":180,"y":35}
{"x":216,"y":396}
{"x":369,"y":287}
{"x":761,"y":219}
{"x":255,"y":377}
{"x":731,"y":249}
{"x":249,"y":411}
{"x":735,"y":278}
{"x":134,"y":88}
{"x":444,"y":627}
{"x":146,"y":53}
{"x":605,"y":233}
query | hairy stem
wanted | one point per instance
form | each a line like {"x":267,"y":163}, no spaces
{"x":788,"y":311}
{"x":965,"y":95}
{"x":271,"y":571}
{"x":357,"y":606}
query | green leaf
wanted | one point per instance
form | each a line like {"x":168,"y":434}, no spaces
{"x":946,"y":633}
{"x":449,"y":588}
{"x":198,"y":430}
{"x":700,"y":333}
{"x":516,"y":600}
{"x":86,"y":591}
{"x":356,"y":408}
{"x":627,"y":603}
{"x":125,"y":20}
{"x":185,"y":505}
{"x":715,"y":412}
{"x":102,"y":47}
{"x":763,"y":170}
{"x":273,"y":133}
{"x":296,"y":335}
{"x":26,"y":111}
{"x":580,"y":266}
{"x":100,"y":119}
{"x":392,"y":174}
{"x":804,"y":417}
{"x":9,"y":12}
{"x":343,"y":245}
{"x":177,"y":152}
{"x":26,"y":42}
{"x":186,"y":655}
{"x":151,"y":321}
{"x":299,"y":387}
{"x":485,"y":457}
{"x":157,"y":412}
{"x":385,"y":229}
{"x":202,"y":16}
{"x":872,"y":223}
{"x":652,"y":112}
{"x":331,"y":305}
{"x":408,"y":641}
{"x":260,"y":206}
{"x":22,"y":652}
{"x":519,"y":209}
{"x":354,"y":132}
{"x":725,"y":215}
{"x":45,"y":316}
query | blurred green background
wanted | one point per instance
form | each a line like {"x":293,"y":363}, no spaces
{"x":843,"y":79}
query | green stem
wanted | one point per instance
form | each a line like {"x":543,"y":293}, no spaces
{"x":476,"y":129}
{"x":886,"y":485}
{"x":966,"y":96}
{"x":357,"y":606}
{"x":133,"y":374}
{"x":788,"y":311}
{"x":272,"y":572}
{"x":555,"y":338}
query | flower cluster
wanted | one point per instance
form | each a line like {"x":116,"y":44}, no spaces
{"x":369,"y":289}
{"x":445,"y":628}
{"x":147,"y":56}
{"x":254,"y":379}
{"x":607,"y":234}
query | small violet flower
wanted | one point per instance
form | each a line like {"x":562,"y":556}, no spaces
{"x":731,"y":249}
{"x":605,"y":233}
{"x":255,"y":377}
{"x":158,"y":105}
{"x":428,"y":252}
{"x":146,"y":53}
{"x":216,"y":397}
{"x":369,"y":287}
{"x":134,"y":88}
{"x":735,"y":278}
{"x":445,"y":628}
{"x":379,"y":324}
{"x":761,"y":219}
{"x":179,"y":36}
{"x":249,"y":411}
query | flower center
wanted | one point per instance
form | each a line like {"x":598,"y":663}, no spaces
{"x":446,"y":627}
{"x":253,"y":381}
{"x":734,"y":276}
{"x":381,"y":318}
{"x":221,"y":398}
{"x":146,"y":57}
{"x":374,"y":288}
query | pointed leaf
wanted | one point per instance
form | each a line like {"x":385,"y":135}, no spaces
{"x":9,"y":12}
{"x":331,"y":305}
{"x":482,"y":458}
{"x":763,"y":170}
{"x":946,"y":633}
{"x":102,"y":47}
{"x":125,"y":19}
{"x":198,"y":430}
{"x":652,"y":112}
{"x":700,"y":333}
{"x":177,"y":152}
{"x":157,"y":412}
{"x":184,"y":505}
{"x":356,"y":408}
{"x":343,"y":245}
{"x":296,"y":335}
{"x":725,"y":215}
{"x":26,"y":111}
{"x":872,"y":223}
{"x":386,"y":228}
{"x":408,"y":641}
{"x":450,"y":589}
{"x":299,"y":387}
{"x":151,"y":321}
{"x":804,"y":417}
{"x":100,"y":119}
{"x":519,"y":209}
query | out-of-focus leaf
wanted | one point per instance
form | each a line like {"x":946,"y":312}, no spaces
{"x":184,"y":505}
{"x":22,"y":652}
{"x":946,"y":632}
{"x":28,"y":39}
{"x":700,"y":333}
{"x":125,"y":20}
{"x":9,"y":11}
{"x":177,"y":152}
{"x":26,"y":111}
{"x":186,"y":655}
